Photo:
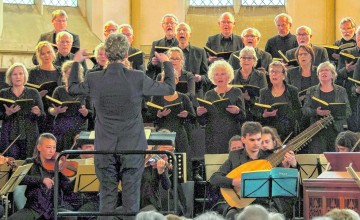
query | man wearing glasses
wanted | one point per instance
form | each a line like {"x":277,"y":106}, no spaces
{"x":251,"y":38}
{"x":59,"y":21}
{"x":303,"y":36}
{"x":64,"y":43}
{"x":226,"y":41}
{"x":168,"y":22}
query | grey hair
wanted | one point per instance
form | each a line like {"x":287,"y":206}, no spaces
{"x":128,"y":26}
{"x":116,"y":47}
{"x":253,"y":212}
{"x":185,"y":24}
{"x":330,"y":65}
{"x":209,"y":216}
{"x":10,"y":70}
{"x":348,"y":19}
{"x":223,"y":65}
{"x":169,"y":15}
{"x":150,"y":215}
{"x":62,"y":33}
{"x":177,"y":49}
{"x":97,"y":48}
{"x":249,"y":51}
{"x":243,"y":33}
{"x":308,"y":29}
{"x":283,"y":15}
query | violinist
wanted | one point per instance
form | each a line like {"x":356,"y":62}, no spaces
{"x":40,"y":183}
{"x":154,"y":174}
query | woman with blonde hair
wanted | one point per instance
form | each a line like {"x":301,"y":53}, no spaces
{"x":46,"y":71}
{"x":17,"y":122}
{"x":224,"y":123}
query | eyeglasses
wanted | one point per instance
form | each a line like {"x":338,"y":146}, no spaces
{"x":247,"y":58}
{"x":182,"y":30}
{"x":275,"y":72}
{"x":302,"y":35}
{"x":175,"y":59}
{"x":226,"y":22}
{"x":60,"y":21}
{"x":65,"y":42}
{"x":111,"y":30}
{"x":169,"y":23}
{"x":250,"y":36}
{"x":303,"y":54}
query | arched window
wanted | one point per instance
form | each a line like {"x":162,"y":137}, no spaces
{"x":71,"y":3}
{"x":262,"y":2}
{"x":211,"y":3}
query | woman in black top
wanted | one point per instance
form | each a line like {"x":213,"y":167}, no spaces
{"x":226,"y":122}
{"x":17,"y":121}
{"x":46,"y":71}
{"x":285,"y":118}
{"x":68,"y":122}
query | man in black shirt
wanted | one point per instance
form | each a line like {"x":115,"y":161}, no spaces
{"x":284,"y":41}
{"x":226,"y":41}
{"x":169,"y":22}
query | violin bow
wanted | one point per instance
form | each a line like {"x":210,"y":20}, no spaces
{"x":11,"y":144}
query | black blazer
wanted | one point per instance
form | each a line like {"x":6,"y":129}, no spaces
{"x":214,"y":43}
{"x":154,"y":70}
{"x":197,"y":64}
{"x":138,"y":63}
{"x":294,"y":77}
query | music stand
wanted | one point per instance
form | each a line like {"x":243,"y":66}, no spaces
{"x":340,"y":160}
{"x":86,"y":179}
{"x":277,"y":182}
{"x":13,"y":181}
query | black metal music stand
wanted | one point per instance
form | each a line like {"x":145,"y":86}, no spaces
{"x":13,"y":182}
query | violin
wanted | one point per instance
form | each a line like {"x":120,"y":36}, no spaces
{"x":151,"y":159}
{"x":67,"y":168}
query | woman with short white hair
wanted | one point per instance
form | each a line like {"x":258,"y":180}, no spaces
{"x":222,"y":124}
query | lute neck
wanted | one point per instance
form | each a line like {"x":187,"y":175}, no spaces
{"x":300,"y":140}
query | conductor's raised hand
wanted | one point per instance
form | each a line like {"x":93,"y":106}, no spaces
{"x":161,"y":57}
{"x":80,"y":56}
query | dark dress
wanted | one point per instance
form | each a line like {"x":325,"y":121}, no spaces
{"x":172,"y":122}
{"x":66,"y":127}
{"x":286,"y":120}
{"x":38,"y":76}
{"x":222,"y":126}
{"x":256,"y":78}
{"x":24,"y":123}
{"x":325,"y":139}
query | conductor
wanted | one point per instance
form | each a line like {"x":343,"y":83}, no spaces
{"x":116,"y":93}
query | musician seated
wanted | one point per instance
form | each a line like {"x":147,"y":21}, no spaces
{"x":155,"y":173}
{"x":251,"y":138}
{"x":235,"y":143}
{"x":347,"y":141}
{"x":83,"y":201}
{"x":40,"y":182}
